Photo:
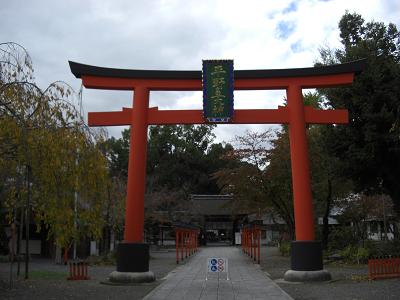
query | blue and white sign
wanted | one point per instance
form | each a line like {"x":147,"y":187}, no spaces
{"x":217,"y":265}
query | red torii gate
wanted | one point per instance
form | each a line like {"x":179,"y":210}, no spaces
{"x":133,"y":254}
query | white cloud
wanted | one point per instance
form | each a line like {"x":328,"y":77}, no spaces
{"x":178,"y":34}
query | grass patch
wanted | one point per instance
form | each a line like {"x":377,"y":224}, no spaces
{"x":359,"y":278}
{"x":4,"y":258}
{"x":47,"y":275}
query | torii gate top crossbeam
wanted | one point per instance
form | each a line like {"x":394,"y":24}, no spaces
{"x":124,"y":79}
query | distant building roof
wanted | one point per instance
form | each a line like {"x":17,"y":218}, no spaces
{"x":268,"y":218}
{"x":211,"y":205}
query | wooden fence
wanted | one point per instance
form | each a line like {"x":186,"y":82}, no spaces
{"x":387,"y":267}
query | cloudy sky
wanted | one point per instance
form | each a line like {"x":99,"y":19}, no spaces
{"x":177,"y":35}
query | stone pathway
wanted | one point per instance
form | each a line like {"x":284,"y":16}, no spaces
{"x":246,"y":279}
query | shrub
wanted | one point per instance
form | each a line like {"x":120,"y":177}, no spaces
{"x":284,"y":248}
{"x":362,"y":255}
{"x":354,"y":254}
{"x":387,"y":248}
{"x":341,"y":237}
{"x":107,"y":259}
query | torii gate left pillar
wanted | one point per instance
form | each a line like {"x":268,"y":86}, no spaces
{"x":133,"y":253}
{"x":133,"y":245}
{"x":134,"y":219}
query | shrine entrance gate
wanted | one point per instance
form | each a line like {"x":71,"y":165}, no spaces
{"x":133,"y":254}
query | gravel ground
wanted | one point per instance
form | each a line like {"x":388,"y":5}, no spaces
{"x":348,"y":282}
{"x":48,"y":281}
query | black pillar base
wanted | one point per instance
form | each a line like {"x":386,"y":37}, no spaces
{"x":133,"y":257}
{"x":306,"y":263}
{"x":306,"y":256}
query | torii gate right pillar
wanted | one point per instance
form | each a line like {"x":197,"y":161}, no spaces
{"x":306,"y":253}
{"x":303,"y":208}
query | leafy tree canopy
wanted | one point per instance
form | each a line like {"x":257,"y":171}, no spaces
{"x":47,"y":154}
{"x":370,"y":145}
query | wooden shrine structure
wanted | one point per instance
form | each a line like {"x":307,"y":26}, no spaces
{"x":133,"y":254}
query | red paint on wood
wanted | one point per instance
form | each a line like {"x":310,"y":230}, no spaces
{"x":295,"y":114}
{"x":111,"y":83}
{"x":134,"y":211}
{"x":303,"y":209}
{"x":379,"y":268}
{"x":241,"y":116}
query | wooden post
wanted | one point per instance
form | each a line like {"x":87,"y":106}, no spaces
{"x":182,"y":244}
{"x":303,"y":208}
{"x":177,"y":245}
{"x":251,"y":242}
{"x":134,"y":213}
{"x":255,"y":243}
{"x":187,"y":243}
{"x":259,"y":246}
{"x":247,"y":241}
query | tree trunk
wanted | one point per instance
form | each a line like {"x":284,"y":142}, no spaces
{"x":112,"y":240}
{"x":291,"y":228}
{"x":20,"y":232}
{"x":325,"y":225}
{"x":396,"y":233}
{"x":27,"y":221}
{"x":58,"y":258}
{"x":65,"y":256}
{"x":394,"y":192}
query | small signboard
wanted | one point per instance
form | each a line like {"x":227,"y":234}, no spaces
{"x":218,"y":90}
{"x":217,"y":265}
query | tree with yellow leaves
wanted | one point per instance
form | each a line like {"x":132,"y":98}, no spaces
{"x":47,"y":155}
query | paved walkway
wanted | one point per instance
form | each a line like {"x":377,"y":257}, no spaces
{"x":246,"y":279}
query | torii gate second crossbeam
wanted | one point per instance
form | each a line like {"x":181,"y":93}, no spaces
{"x":133,"y":254}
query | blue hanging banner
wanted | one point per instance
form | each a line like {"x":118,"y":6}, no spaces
{"x":218,"y":90}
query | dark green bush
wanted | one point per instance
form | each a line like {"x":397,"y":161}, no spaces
{"x":387,"y":248}
{"x":355,"y":255}
{"x":340,"y":237}
{"x":284,"y":248}
{"x":108,"y":259}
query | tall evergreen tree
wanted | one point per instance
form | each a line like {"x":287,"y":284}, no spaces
{"x":369,"y":145}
